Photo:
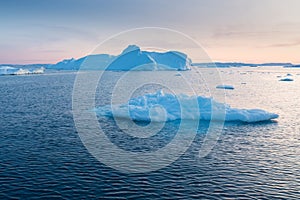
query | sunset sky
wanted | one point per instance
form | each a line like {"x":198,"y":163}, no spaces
{"x":36,"y":31}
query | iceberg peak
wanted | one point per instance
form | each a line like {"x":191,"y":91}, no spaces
{"x":131,"y":48}
{"x":68,"y":60}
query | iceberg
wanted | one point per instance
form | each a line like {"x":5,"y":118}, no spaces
{"x":239,"y":64}
{"x":162,"y":107}
{"x":131,"y":58}
{"x":7,"y":70}
{"x":90,"y":61}
{"x":38,"y":71}
{"x":286,"y":79}
{"x":292,"y":66}
{"x":226,"y":87}
{"x":22,"y":72}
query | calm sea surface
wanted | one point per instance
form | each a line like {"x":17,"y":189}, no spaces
{"x":42,"y":156}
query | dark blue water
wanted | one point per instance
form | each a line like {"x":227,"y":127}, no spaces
{"x":42,"y":156}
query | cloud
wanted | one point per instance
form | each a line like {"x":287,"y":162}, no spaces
{"x":66,"y":32}
{"x":50,"y":51}
{"x":290,"y":44}
{"x":242,"y":32}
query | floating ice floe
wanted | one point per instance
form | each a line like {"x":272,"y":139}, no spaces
{"x":226,"y":87}
{"x":286,"y":79}
{"x":168,"y":107}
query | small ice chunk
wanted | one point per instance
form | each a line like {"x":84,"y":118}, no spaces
{"x":286,"y":79}
{"x":226,"y":87}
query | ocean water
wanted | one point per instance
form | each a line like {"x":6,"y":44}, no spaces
{"x":42,"y":156}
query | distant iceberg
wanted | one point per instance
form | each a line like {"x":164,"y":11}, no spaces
{"x":286,"y":79}
{"x":239,"y":64}
{"x":38,"y":71}
{"x":166,"y":107}
{"x":8,"y":70}
{"x":131,"y":58}
{"x":226,"y":87}
{"x":292,"y":66}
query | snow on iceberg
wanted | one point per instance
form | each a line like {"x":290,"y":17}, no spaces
{"x":226,"y":87}
{"x":131,"y":58}
{"x":22,"y":72}
{"x":169,"y":107}
{"x":38,"y":71}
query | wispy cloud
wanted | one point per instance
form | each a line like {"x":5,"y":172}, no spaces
{"x":222,"y":34}
{"x":56,"y":32}
{"x":51,"y":51}
{"x":288,"y":44}
{"x":242,"y":32}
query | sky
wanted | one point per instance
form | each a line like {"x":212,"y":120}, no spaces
{"x":35,"y":31}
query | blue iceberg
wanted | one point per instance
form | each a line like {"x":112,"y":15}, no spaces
{"x":226,"y":87}
{"x":162,"y":106}
{"x":131,"y":58}
{"x":286,"y":79}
